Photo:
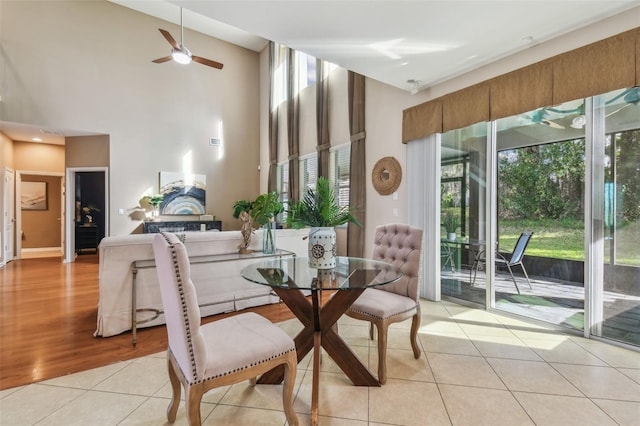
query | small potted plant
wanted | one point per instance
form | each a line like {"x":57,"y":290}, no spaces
{"x":155,"y":201}
{"x":450,"y":223}
{"x":320,"y":210}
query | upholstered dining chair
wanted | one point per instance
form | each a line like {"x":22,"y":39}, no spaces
{"x":399,"y":245}
{"x":220,"y":353}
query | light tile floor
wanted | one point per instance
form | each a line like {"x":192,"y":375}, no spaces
{"x":477,"y":368}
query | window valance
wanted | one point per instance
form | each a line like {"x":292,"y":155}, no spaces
{"x":600,"y":67}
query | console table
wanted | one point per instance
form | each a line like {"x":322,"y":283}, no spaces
{"x":86,"y":238}
{"x":181,"y":226}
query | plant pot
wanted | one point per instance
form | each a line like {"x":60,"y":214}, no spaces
{"x":451,"y":236}
{"x":322,"y":248}
{"x":269,"y":238}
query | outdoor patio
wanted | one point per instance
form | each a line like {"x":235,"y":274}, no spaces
{"x":553,"y":301}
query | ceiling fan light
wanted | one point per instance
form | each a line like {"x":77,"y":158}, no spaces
{"x":180,"y":57}
{"x":578,"y":122}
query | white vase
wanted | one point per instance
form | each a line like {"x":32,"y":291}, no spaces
{"x":322,"y":248}
{"x":451,"y":236}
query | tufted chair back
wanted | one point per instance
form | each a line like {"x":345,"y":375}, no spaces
{"x":180,"y":302}
{"x":400,"y":245}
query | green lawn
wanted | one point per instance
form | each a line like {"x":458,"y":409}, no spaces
{"x":564,"y":239}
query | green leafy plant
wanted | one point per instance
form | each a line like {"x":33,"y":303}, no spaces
{"x":242,"y":206}
{"x":450,"y":222}
{"x":154,"y":200}
{"x":266,"y":207}
{"x":319,"y":208}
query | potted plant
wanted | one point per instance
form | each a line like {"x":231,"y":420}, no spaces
{"x":242,"y":211}
{"x":264,"y":210}
{"x":155,"y":201}
{"x":320,"y":210}
{"x":451,"y":223}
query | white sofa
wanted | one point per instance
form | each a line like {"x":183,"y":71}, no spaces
{"x":218,"y":284}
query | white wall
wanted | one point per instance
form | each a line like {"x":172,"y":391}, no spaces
{"x":86,"y":65}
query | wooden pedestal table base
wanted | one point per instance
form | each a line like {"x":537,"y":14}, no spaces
{"x":318,"y":332}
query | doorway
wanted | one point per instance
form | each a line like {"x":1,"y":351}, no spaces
{"x":39,"y":209}
{"x":87,"y":222}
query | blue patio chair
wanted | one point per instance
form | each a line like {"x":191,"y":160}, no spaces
{"x":515,"y":259}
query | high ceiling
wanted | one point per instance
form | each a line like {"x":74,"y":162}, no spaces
{"x":391,"y":41}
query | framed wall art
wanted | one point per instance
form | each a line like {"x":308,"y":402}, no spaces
{"x":184,"y":193}
{"x":33,"y":196}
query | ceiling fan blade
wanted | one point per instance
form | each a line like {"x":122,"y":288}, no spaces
{"x":615,"y":111}
{"x":553,"y":124}
{"x":161,"y":60}
{"x":205,"y":61}
{"x":170,"y":38}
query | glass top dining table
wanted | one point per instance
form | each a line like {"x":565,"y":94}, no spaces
{"x":350,"y":273}
{"x":292,"y":279}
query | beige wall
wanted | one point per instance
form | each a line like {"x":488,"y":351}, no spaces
{"x":157,"y":117}
{"x":87,"y":151}
{"x":38,"y":157}
{"x":6,"y":162}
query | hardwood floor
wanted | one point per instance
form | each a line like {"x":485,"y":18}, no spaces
{"x":48,"y":313}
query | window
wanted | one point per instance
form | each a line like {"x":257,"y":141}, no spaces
{"x":339,"y":169}
{"x":282,"y":176}
{"x":308,"y":173}
{"x":279,"y":83}
{"x":305,"y":70}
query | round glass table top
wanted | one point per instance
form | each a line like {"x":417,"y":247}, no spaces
{"x":295,"y":273}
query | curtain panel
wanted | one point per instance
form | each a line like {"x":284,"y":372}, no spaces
{"x":322,"y":119}
{"x":293,"y":108}
{"x":272,"y":180}
{"x":358,"y":176}
{"x":600,"y":67}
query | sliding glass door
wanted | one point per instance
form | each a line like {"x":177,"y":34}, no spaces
{"x":463,"y":198}
{"x":568,"y":178}
{"x":614,"y":243}
{"x":540,"y":192}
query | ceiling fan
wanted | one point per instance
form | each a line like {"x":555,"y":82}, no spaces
{"x":180,"y":53}
{"x":540,"y":116}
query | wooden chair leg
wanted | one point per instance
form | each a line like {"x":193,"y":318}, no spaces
{"x":382,"y":354}
{"x":415,"y":325}
{"x":193,"y":398}
{"x":287,"y":390}
{"x":172,"y":409}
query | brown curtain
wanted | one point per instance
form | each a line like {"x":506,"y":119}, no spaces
{"x":272,"y":180}
{"x":609,"y":64}
{"x":293,"y":108}
{"x":595,"y":69}
{"x":322,"y":119}
{"x":522,"y":90}
{"x":357,"y":190}
{"x":465,"y":107}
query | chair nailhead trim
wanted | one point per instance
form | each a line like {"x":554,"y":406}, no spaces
{"x":183,"y":302}
{"x":383,"y":318}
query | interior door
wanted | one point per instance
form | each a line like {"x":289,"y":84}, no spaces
{"x":9,"y":214}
